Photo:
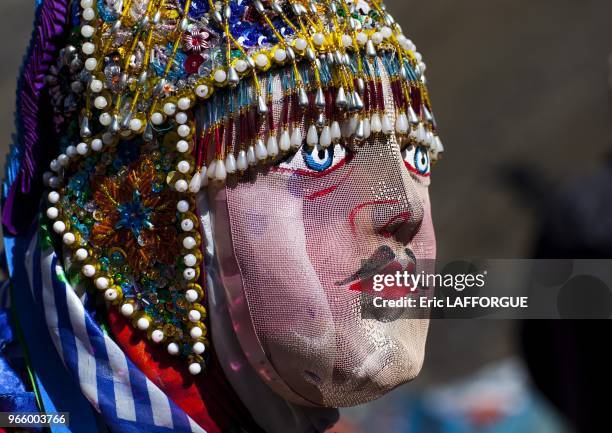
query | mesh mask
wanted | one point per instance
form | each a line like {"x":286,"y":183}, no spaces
{"x":309,"y":127}
{"x":290,"y":241}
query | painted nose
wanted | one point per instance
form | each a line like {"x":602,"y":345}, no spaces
{"x":395,"y":218}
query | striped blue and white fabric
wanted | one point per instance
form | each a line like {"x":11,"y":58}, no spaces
{"x":80,"y":369}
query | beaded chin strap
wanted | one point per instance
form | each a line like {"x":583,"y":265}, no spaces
{"x":125,"y":91}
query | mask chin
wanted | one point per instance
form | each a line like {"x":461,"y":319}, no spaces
{"x":272,"y":412}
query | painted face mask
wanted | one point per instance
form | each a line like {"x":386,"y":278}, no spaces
{"x":307,"y":131}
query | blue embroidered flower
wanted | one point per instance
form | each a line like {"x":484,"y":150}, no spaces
{"x":134,"y":216}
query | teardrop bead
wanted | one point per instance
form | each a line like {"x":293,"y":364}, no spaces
{"x":285,"y":141}
{"x":230,"y":163}
{"x":260,"y":150}
{"x":272,"y":147}
{"x":387,"y":127}
{"x":401,"y":124}
{"x":211,"y":169}
{"x":296,"y":138}
{"x":336,"y":132}
{"x":220,"y":171}
{"x":241,"y":162}
{"x":341,"y":98}
{"x":325,"y":139}
{"x":421,"y":134}
{"x":251,"y":158}
{"x":367,"y":131}
{"x":196,"y":182}
{"x":353,"y":124}
{"x":412,"y":117}
{"x":312,"y":138}
{"x":375,"y":124}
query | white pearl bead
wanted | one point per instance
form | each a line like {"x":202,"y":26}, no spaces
{"x":55,"y":166}
{"x":96,"y":86}
{"x":110,"y":295}
{"x":187,"y":225}
{"x":127,"y":309}
{"x":347,"y":41}
{"x":89,"y":14}
{"x":183,"y":166}
{"x":59,"y":227}
{"x":157,"y":336}
{"x":100,"y":102}
{"x":89,"y":270}
{"x":181,"y":185}
{"x":53,"y":197}
{"x":181,"y":117}
{"x":71,"y":151}
{"x":362,"y":38}
{"x":184,"y":130}
{"x":91,"y":63}
{"x":102,"y":283}
{"x":261,"y":60}
{"x":55,"y":182}
{"x":81,"y":254}
{"x":169,"y":108}
{"x":194,"y":316}
{"x":182,"y":206}
{"x":202,"y":90}
{"x":182,"y":146}
{"x":198,"y":348}
{"x":96,"y":145}
{"x":157,"y":118}
{"x":377,"y":38}
{"x":87,"y":31}
{"x":105,"y":119}
{"x":301,"y":44}
{"x":173,"y":349}
{"x":52,"y":212}
{"x":318,"y":39}
{"x":184,"y":103}
{"x":280,"y":55}
{"x":195,"y":368}
{"x":189,"y":274}
{"x":135,"y":125}
{"x":69,"y":238}
{"x":195,"y":332}
{"x":241,"y":66}
{"x":191,"y":295}
{"x":63,"y":159}
{"x":143,"y":323}
{"x":189,"y":242}
{"x":88,"y":48}
{"x":386,"y":32}
{"x":82,"y":148}
{"x":86,"y":3}
{"x":190,"y":260}
{"x":220,"y":76}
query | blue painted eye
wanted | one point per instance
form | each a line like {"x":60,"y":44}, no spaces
{"x":312,"y":161}
{"x":421,"y":160}
{"x":416,"y":159}
{"x":317,"y":158}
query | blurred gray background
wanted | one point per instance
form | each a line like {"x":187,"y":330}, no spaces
{"x":521,"y":83}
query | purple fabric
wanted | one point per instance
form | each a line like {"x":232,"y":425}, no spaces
{"x":34,"y":116}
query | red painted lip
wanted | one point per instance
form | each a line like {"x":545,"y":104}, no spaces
{"x":392,"y":291}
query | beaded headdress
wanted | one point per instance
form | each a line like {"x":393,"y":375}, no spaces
{"x":158,"y":98}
